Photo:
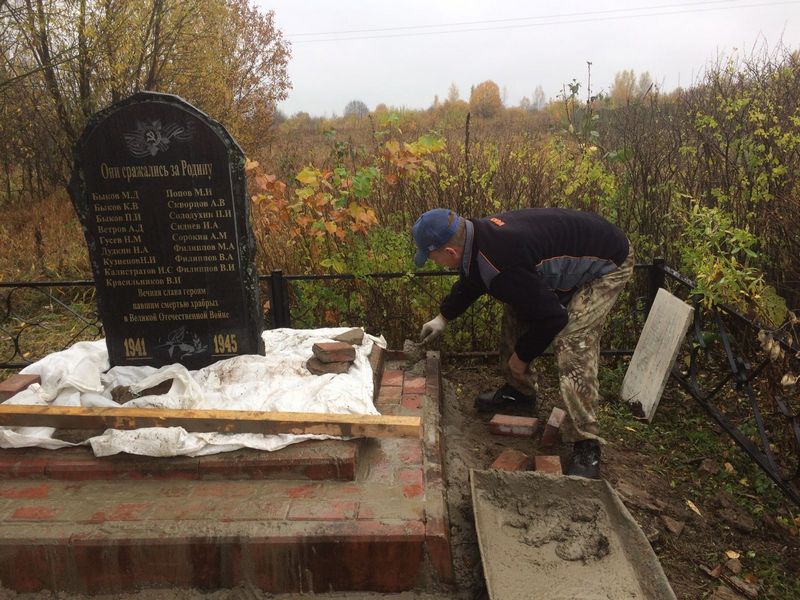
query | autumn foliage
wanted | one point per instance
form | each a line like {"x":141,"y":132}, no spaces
{"x":64,"y":61}
{"x":485,"y":99}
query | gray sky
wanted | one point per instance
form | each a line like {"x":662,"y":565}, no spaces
{"x":415,"y":49}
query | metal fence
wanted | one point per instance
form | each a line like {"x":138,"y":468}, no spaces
{"x":721,"y":365}
{"x":42,"y":317}
{"x":725,"y":368}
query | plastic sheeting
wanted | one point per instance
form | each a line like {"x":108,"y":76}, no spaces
{"x":278,"y":381}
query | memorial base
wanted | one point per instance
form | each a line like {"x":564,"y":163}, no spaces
{"x":362,"y":515}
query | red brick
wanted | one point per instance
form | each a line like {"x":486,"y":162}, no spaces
{"x":269,"y":510}
{"x":410,"y":452}
{"x":174,"y":492}
{"x":35,"y":513}
{"x":341,"y":470}
{"x":128,"y":511}
{"x":221,"y":490}
{"x":322,"y":510}
{"x":331,"y":352}
{"x":349,"y":490}
{"x":437,"y":531}
{"x":124,"y":511}
{"x":433,"y":472}
{"x":548,"y":464}
{"x":302,"y":491}
{"x":412,"y":401}
{"x":512,"y":425}
{"x":390,"y":395}
{"x":380,"y":472}
{"x":413,"y":491}
{"x":414,"y":385}
{"x":16,"y":383}
{"x":552,"y":432}
{"x":190,"y":510}
{"x":81,"y":469}
{"x":392,"y":378}
{"x":18,"y":466}
{"x":317,"y":367}
{"x":408,"y":511}
{"x":512,"y":460}
{"x":25,"y":491}
{"x":410,"y":476}
{"x":351,"y":336}
{"x":33,"y":568}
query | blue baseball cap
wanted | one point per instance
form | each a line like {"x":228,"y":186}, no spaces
{"x":432,"y":231}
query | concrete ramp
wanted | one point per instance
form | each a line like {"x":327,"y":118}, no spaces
{"x":560,"y":538}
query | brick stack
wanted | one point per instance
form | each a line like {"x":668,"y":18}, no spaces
{"x":514,"y":460}
{"x":331,"y":357}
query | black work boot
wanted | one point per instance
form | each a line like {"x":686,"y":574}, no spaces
{"x":585,"y":459}
{"x":504,"y":398}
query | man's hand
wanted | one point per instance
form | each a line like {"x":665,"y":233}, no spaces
{"x":432,"y":329}
{"x":518,"y":367}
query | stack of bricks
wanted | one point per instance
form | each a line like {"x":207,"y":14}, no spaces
{"x":331,"y":357}
{"x":514,"y":460}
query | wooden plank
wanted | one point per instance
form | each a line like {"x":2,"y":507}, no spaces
{"x":655,"y":353}
{"x":223,"y":421}
{"x":15,"y":384}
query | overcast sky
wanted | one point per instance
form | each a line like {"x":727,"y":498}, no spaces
{"x":405,"y":52}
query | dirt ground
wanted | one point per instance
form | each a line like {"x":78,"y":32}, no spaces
{"x":689,"y":545}
{"x":686,"y":543}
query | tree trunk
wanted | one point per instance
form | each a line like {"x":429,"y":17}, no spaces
{"x":152,"y":74}
{"x":7,"y":165}
{"x":83,"y":64}
{"x":41,"y":47}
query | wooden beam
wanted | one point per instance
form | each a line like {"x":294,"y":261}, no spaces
{"x":222,"y":421}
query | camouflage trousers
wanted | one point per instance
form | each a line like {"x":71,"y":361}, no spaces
{"x":576,"y":348}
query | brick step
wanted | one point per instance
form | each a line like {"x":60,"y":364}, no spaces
{"x":113,"y":536}
{"x":315,"y":460}
{"x":362,"y":515}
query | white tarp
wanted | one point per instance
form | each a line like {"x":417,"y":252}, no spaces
{"x":279,"y":381}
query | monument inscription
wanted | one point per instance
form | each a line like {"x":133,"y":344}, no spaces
{"x":160,"y":190}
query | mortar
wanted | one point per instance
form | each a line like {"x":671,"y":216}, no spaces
{"x":559,"y":537}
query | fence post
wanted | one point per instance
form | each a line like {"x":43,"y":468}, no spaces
{"x":655,"y":281}
{"x":279,"y":300}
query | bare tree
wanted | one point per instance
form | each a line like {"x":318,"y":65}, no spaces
{"x":356,"y":108}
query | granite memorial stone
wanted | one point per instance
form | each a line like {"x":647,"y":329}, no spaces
{"x":160,"y":191}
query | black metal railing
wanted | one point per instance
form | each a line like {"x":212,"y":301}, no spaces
{"x":42,"y":317}
{"x":725,"y":369}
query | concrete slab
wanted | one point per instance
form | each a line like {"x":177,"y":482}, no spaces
{"x":275,"y":521}
{"x":655,"y":354}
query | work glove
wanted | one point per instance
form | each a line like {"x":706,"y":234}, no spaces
{"x":432,"y":329}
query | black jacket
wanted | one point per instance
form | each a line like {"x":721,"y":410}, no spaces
{"x":535,"y":259}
